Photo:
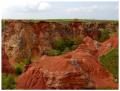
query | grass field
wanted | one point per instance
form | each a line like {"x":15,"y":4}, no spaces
{"x":110,"y":62}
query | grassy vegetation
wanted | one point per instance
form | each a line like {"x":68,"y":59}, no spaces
{"x":53,"y":52}
{"x":8,"y":81}
{"x":81,"y":20}
{"x":67,"y":20}
{"x":110,"y":62}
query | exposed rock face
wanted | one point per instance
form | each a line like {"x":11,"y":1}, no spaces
{"x":62,"y":76}
{"x":6,"y":67}
{"x":23,"y":39}
{"x":20,"y":44}
{"x":79,"y":69}
{"x":44,"y":79}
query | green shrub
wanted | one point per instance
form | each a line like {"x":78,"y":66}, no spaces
{"x":110,"y":62}
{"x":68,"y":44}
{"x":62,"y":46}
{"x":105,"y":34}
{"x":27,"y":61}
{"x":8,"y":81}
{"x":58,"y":45}
{"x":20,"y":66}
{"x":19,"y":69}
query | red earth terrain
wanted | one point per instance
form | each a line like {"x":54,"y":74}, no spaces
{"x":79,"y":69}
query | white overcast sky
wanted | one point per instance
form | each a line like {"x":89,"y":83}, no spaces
{"x":37,"y":9}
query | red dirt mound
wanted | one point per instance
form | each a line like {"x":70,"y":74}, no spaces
{"x":79,"y":69}
{"x":54,"y":73}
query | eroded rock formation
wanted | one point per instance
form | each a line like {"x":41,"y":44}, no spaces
{"x":79,"y":69}
{"x":23,"y":39}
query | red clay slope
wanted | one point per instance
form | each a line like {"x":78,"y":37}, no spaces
{"x":79,"y":69}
